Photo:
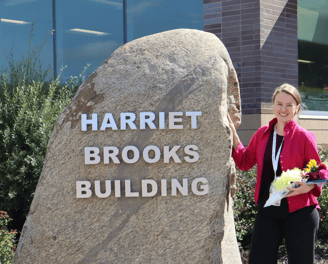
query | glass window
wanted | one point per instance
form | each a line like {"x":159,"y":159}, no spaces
{"x":313,"y":53}
{"x":17,"y":17}
{"x":146,"y":17}
{"x":88,"y":31}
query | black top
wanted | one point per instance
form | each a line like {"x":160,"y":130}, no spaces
{"x":267,"y":171}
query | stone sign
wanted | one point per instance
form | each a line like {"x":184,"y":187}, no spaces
{"x":138,"y":168}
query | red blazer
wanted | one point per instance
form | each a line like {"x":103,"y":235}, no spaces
{"x":299,"y":147}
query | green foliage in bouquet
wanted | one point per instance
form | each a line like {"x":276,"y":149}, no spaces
{"x":7,"y":240}
{"x":244,"y":206}
{"x":30,"y":103}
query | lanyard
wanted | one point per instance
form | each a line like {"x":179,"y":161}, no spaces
{"x":275,"y":158}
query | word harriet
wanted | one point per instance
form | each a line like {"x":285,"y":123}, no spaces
{"x":149,"y":188}
{"x":145,"y":118}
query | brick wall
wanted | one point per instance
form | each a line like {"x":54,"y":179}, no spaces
{"x":261,"y":37}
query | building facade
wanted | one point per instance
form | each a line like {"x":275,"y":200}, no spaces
{"x":273,"y":42}
{"x":270,"y":42}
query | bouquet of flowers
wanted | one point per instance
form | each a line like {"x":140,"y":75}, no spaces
{"x":312,"y":174}
{"x":316,"y":174}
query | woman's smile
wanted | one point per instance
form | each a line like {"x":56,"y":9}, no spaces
{"x":284,"y":107}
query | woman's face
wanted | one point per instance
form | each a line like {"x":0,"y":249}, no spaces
{"x":285,"y":107}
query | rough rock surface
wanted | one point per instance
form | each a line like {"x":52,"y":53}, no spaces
{"x":174,"y":71}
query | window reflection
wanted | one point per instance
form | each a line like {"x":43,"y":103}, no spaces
{"x":313,"y":53}
{"x":88,"y":31}
{"x":16,"y":18}
{"x":146,"y":17}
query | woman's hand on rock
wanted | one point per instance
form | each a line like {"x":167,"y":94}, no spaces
{"x":236,"y":139}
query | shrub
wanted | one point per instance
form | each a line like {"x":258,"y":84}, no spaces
{"x":321,"y":246}
{"x":7,"y":240}
{"x":30,"y":103}
{"x":323,"y":153}
{"x":244,"y":206}
{"x":27,"y":117}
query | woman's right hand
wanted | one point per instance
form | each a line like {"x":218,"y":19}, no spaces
{"x":236,"y":139}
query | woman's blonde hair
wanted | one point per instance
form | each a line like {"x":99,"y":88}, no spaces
{"x":288,"y":89}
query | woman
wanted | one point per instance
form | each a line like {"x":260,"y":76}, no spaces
{"x":277,"y":147}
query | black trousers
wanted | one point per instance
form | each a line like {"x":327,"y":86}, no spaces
{"x":273,"y":223}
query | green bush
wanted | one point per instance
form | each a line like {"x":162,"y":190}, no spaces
{"x":30,"y":103}
{"x":7,"y":240}
{"x":322,"y":245}
{"x":27,"y":117}
{"x":244,"y":206}
{"x":323,"y":202}
{"x":323,"y":153}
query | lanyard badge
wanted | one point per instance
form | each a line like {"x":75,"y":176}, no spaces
{"x":275,"y":158}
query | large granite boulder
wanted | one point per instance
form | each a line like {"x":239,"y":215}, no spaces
{"x":138,"y":167}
